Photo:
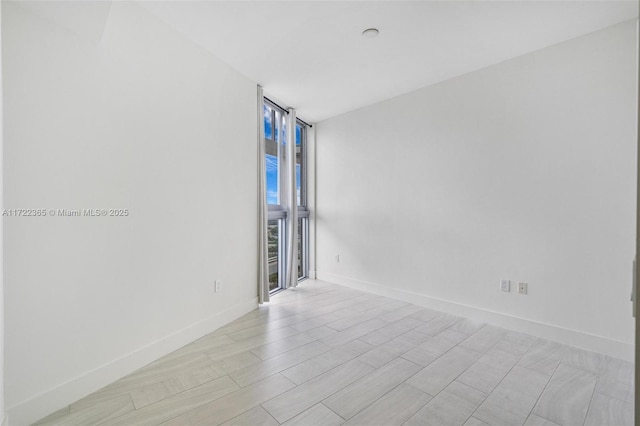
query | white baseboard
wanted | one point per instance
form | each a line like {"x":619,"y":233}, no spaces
{"x":567,"y":336}
{"x":41,"y":405}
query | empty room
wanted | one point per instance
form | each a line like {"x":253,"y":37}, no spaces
{"x":318,"y":213}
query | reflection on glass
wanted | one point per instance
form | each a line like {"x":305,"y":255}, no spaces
{"x":272,"y":178}
{"x":268,"y":125}
{"x":275,"y":129}
{"x":301,"y":222}
{"x":273,"y":234}
{"x":299,"y":164}
{"x":281,"y":137}
{"x":298,"y":183}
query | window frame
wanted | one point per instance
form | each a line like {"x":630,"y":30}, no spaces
{"x":303,"y":207}
{"x":278,"y":211}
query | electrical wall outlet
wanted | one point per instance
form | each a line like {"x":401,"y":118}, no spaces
{"x":505,"y":285}
{"x":337,"y":258}
{"x":523,"y":288}
{"x":216,"y":286}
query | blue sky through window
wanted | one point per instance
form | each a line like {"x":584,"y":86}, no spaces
{"x":268,"y":127}
{"x":272,"y":162}
{"x":272,"y":179}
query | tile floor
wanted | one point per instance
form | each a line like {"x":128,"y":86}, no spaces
{"x":326,"y":355}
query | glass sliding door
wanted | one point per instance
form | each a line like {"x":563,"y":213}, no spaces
{"x":275,"y":137}
{"x":303,"y":211}
{"x":303,"y":243}
{"x":274,"y":155}
{"x":276,"y":246}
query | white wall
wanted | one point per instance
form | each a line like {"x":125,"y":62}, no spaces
{"x":139,"y":118}
{"x":524,"y":170}
{"x":1,"y":245}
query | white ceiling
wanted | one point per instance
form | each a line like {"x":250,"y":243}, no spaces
{"x":310,"y":54}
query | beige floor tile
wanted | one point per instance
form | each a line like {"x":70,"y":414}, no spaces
{"x":419,"y":356}
{"x":543,"y":357}
{"x":467,"y":326}
{"x":354,"y":320}
{"x":428,"y":351}
{"x":454,"y":336}
{"x":425,"y":315}
{"x":438,"y":324}
{"x":355,"y":332}
{"x":148,"y":394}
{"x":96,"y":413}
{"x":605,"y":410}
{"x":236,"y":348}
{"x":484,"y":377}
{"x":255,"y":417}
{"x":437,"y":375}
{"x":206,"y":343}
{"x":177,"y":374}
{"x":499,"y":358}
{"x":320,"y":364}
{"x":567,"y":395}
{"x":236,"y":362}
{"x":484,"y":339}
{"x":400,"y":313}
{"x":53,"y":417}
{"x":380,"y":355}
{"x":316,"y":415}
{"x":474,"y":422}
{"x":534,"y":420}
{"x":451,"y":407}
{"x":393,"y":409}
{"x":281,"y":346}
{"x":261,"y":330}
{"x":351,"y":399}
{"x":234,"y":403}
{"x":584,"y":360}
{"x":314,"y":391}
{"x":324,"y":319}
{"x":259,"y":371}
{"x":175,"y":405}
{"x":325,"y":344}
{"x":513,"y":399}
{"x":616,"y":379}
{"x":391,"y":331}
{"x":516,"y":343}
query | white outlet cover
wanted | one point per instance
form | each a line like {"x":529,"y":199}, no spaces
{"x":505,"y":285}
{"x":523,"y":288}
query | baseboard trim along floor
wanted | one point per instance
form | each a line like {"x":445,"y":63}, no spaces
{"x":64,"y":394}
{"x":325,"y":354}
{"x":562,"y":335}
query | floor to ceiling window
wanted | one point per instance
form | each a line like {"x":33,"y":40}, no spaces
{"x":303,"y":209}
{"x":275,"y":139}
